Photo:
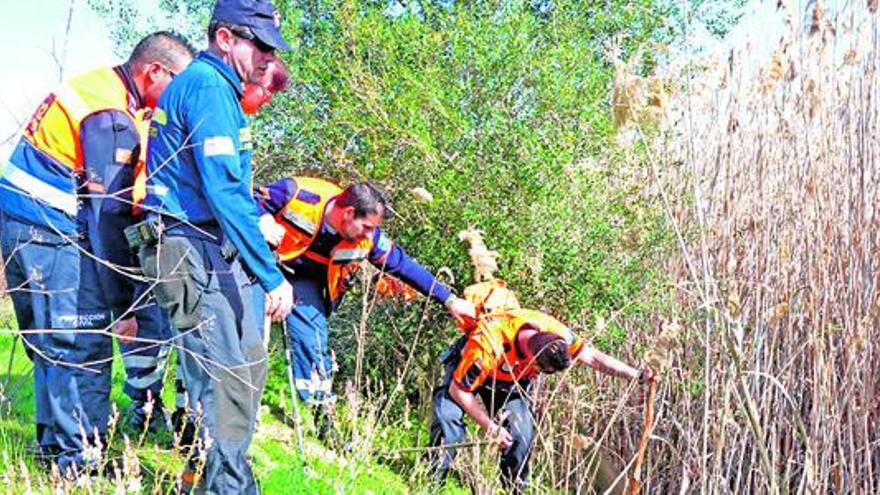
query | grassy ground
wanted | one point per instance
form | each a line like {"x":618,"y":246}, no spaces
{"x":273,"y":450}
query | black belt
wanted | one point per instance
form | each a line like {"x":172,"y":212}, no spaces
{"x":208,"y":231}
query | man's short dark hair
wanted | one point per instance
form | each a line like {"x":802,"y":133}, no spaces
{"x":550,"y":351}
{"x":366,"y":198}
{"x":165,"y":47}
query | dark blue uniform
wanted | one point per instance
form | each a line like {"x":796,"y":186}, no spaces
{"x":199,"y":184}
{"x":46,"y":229}
{"x":307,"y":323}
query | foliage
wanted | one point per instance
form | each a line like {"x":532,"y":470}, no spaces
{"x":503,"y":115}
{"x":501,"y":109}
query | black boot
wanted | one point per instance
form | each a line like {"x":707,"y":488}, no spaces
{"x":184,"y":426}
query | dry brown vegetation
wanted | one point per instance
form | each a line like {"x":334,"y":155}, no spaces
{"x":769,"y":170}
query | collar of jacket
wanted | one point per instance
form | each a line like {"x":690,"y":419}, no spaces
{"x":224,"y":69}
{"x":135,"y":100}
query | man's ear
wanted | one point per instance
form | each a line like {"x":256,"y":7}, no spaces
{"x":224,"y":39}
{"x":348,"y":213}
{"x":153,"y":71}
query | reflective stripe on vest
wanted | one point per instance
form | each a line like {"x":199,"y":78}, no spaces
{"x":52,"y":138}
{"x":302,"y":218}
{"x":349,"y":255}
{"x":36,"y":188}
{"x":299,"y":221}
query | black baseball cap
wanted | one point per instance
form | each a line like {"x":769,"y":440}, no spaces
{"x":260,"y":16}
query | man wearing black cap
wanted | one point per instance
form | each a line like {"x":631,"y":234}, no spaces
{"x":201,"y":241}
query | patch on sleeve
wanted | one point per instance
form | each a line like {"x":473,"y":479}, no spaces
{"x":384,"y":243}
{"x":307,"y":197}
{"x":160,"y":117}
{"x":219,"y":146}
{"x":123,"y":155}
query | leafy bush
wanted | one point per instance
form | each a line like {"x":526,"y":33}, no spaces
{"x":503,"y":115}
{"x":502,"y":110}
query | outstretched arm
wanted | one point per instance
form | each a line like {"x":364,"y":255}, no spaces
{"x":609,"y":365}
{"x":392,"y":259}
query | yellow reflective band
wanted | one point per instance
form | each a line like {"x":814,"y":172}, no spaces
{"x":160,"y":117}
{"x":299,"y":221}
{"x":37,"y":189}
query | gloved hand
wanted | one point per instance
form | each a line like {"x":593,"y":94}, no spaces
{"x":279,"y":302}
{"x":462,"y":310}
{"x":499,"y":436}
{"x":646,"y":376}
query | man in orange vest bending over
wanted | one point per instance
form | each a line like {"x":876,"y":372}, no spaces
{"x":322,"y":234}
{"x":496,"y":361}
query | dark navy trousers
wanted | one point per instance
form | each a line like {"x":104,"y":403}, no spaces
{"x":54,"y":289}
{"x":448,"y":427}
{"x":145,"y":361}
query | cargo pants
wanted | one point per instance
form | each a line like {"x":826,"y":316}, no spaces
{"x":448,"y":427}
{"x":205,"y":291}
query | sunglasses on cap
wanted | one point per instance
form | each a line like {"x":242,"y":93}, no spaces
{"x":246,"y":34}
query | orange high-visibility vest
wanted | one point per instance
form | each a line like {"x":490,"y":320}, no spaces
{"x":302,"y":219}
{"x":49,"y":158}
{"x":491,"y":352}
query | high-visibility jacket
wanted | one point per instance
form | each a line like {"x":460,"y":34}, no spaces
{"x":298,"y":204}
{"x":302,"y":218}
{"x":491,"y":350}
{"x":489,"y":297}
{"x":39,"y":183}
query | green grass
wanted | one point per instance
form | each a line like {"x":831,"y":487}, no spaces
{"x":276,"y":463}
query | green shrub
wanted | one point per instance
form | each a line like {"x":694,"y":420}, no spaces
{"x":503,"y":115}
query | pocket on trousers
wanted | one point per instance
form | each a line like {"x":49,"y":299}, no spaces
{"x":181,"y":279}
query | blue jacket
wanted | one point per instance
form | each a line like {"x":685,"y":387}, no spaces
{"x":385,"y":255}
{"x":111,"y":145}
{"x":199,"y":161}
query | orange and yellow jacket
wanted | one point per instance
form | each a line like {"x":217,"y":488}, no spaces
{"x":83,"y":141}
{"x":312,"y":249}
{"x":74,"y":169}
{"x":491,"y":351}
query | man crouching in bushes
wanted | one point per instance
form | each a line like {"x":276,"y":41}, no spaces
{"x":496,"y":360}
